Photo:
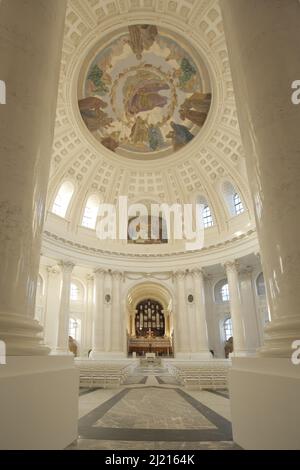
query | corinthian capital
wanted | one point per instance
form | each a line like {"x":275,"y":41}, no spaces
{"x":179,"y":275}
{"x":66,"y":266}
{"x":231,"y":266}
{"x":117,"y":275}
{"x":198,"y":273}
{"x":99,"y":273}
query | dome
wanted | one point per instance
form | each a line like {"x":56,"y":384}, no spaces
{"x":146,"y":110}
{"x":142,"y":93}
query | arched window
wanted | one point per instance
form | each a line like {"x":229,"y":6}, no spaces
{"x":207,"y":217}
{"x":260,"y":285}
{"x":238,"y":205}
{"x":233,"y":199}
{"x":89,"y":218}
{"x":74,"y":328}
{"x":221,"y":291}
{"x":206,"y":213}
{"x":63,"y":198}
{"x":76,"y":292}
{"x":225,"y":293}
{"x":227,"y":329}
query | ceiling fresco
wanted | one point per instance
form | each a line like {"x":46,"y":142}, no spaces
{"x":143,"y":94}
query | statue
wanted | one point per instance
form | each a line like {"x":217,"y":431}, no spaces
{"x":73,"y":347}
{"x":228,"y":347}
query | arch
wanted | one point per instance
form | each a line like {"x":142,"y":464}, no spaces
{"x":141,"y":294}
{"x":90,"y":212}
{"x":63,"y":198}
{"x":233,"y":199}
{"x":142,"y":290}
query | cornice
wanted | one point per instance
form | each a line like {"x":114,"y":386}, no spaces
{"x":88,"y":249}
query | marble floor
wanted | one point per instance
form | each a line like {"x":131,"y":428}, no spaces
{"x":152,"y":411}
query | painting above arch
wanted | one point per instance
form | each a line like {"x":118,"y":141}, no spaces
{"x":143,"y":94}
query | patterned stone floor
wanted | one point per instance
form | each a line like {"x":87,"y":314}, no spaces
{"x":152,"y":411}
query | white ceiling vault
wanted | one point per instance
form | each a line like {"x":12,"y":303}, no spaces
{"x":213,"y":157}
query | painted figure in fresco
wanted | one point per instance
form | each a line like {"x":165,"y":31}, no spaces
{"x":135,"y":41}
{"x":146,"y":97}
{"x":196,"y":117}
{"x":149,"y":34}
{"x":92,"y":114}
{"x":187,"y":71}
{"x":141,"y":37}
{"x":198,"y":101}
{"x":97,"y":78}
{"x":110,"y":143}
{"x":180,"y":135}
{"x":156,"y":139}
{"x":139,"y":132}
{"x":91,"y":104}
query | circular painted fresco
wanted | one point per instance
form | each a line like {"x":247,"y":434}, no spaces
{"x":143,"y":94}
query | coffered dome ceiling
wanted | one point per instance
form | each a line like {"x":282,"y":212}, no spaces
{"x":146,"y":109}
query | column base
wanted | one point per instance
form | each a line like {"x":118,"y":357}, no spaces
{"x":38,"y":403}
{"x":264,"y":398}
{"x":22,"y":335}
{"x":279,"y":336}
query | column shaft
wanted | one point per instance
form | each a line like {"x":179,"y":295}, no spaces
{"x":262,"y":38}
{"x":117,"y":317}
{"x":30,"y":51}
{"x":181,"y":335}
{"x":64,"y":308}
{"x":200,"y":315}
{"x":98,"y":317}
{"x":239,"y":344}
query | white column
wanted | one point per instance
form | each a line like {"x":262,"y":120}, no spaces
{"x":263,"y":50}
{"x":263,"y":45}
{"x":190,"y":312}
{"x":88,"y":320}
{"x":118,"y":331}
{"x":52,"y":305}
{"x":182,"y":344}
{"x":108,"y":312}
{"x":252,"y":337}
{"x":98,"y":337}
{"x":30,"y":50}
{"x":34,"y":388}
{"x":239,"y":343}
{"x":202,"y":349}
{"x":64,"y":308}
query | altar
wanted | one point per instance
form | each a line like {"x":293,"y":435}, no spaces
{"x":144,"y":346}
